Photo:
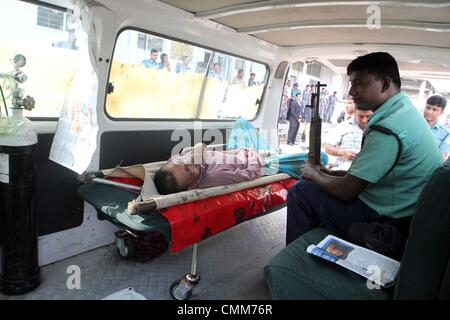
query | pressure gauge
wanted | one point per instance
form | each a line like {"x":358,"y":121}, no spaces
{"x":19,"y":60}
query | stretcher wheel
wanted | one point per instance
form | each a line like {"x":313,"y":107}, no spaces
{"x":180,"y":290}
{"x":126,"y":249}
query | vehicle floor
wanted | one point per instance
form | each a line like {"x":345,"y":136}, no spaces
{"x":230,"y":265}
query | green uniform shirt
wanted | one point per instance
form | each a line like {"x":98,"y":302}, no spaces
{"x":396,"y":193}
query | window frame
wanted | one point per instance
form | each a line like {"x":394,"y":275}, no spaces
{"x":195,"y":118}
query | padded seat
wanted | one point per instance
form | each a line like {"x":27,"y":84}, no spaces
{"x":425,"y":266}
{"x":111,"y":204}
{"x":295,"y":274}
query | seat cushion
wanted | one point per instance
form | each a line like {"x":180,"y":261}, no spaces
{"x":427,"y":253}
{"x":295,"y":274}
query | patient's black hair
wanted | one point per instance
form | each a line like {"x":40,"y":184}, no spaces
{"x":379,"y":64}
{"x":437,"y":100}
{"x":165,"y":182}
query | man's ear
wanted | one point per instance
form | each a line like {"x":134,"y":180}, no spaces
{"x":386,"y":84}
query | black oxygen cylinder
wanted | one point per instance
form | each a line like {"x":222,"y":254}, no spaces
{"x":19,"y":266}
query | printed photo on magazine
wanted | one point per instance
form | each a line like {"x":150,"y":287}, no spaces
{"x":380,"y":269}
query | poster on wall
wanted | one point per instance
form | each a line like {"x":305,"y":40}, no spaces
{"x":76,"y":135}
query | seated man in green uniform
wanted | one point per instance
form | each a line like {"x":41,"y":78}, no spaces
{"x":384,"y":181}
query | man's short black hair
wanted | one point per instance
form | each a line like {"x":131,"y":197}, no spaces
{"x":437,"y":100}
{"x":379,"y":64}
{"x":154,"y":50}
{"x":165,"y":182}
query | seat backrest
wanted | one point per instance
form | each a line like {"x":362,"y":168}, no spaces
{"x":424,"y":270}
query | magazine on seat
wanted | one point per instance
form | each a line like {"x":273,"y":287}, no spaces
{"x":380,"y":269}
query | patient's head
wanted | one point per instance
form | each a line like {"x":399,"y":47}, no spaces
{"x":174,"y":177}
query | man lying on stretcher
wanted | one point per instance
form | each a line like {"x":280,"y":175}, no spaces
{"x":200,"y":168}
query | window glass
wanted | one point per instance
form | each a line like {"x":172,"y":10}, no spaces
{"x":233,"y":88}
{"x":49,"y":40}
{"x":147,"y":87}
{"x":191,"y":82}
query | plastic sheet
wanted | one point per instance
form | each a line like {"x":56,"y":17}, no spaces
{"x":245,"y":135}
{"x":195,"y":221}
{"x":290,"y":164}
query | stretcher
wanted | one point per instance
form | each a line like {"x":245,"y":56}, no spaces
{"x":226,"y":209}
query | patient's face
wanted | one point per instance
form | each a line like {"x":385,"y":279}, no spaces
{"x":185,"y":174}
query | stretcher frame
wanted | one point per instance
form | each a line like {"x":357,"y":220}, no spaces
{"x":182,"y":289}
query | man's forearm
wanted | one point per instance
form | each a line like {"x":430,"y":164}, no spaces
{"x":336,"y":173}
{"x":334,"y":185}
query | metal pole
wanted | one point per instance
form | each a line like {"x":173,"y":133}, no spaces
{"x":194,"y":259}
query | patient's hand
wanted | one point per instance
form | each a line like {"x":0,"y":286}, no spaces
{"x":86,"y":177}
{"x":198,"y":153}
{"x":265,"y":153}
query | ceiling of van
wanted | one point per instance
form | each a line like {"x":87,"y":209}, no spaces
{"x":416,"y":27}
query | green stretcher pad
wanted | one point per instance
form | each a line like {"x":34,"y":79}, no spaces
{"x":111,"y":204}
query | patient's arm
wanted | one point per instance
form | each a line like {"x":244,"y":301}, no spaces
{"x":136,"y":171}
{"x":198,"y":153}
{"x":191,"y":155}
{"x":255,"y":161}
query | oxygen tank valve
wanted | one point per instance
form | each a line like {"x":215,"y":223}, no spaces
{"x":26,"y":103}
{"x":19,"y":77}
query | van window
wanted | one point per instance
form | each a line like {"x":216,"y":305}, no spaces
{"x":233,"y":88}
{"x":50,"y":41}
{"x":158,"y":78}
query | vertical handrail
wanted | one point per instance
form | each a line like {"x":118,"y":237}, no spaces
{"x":202,"y":90}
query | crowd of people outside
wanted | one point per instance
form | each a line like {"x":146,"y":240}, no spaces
{"x":327,"y":103}
{"x":296,"y":108}
{"x":184,"y":66}
{"x":343,"y":132}
{"x":343,"y":142}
